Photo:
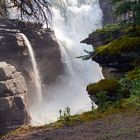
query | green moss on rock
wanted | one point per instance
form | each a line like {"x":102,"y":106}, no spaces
{"x":108,"y":28}
{"x":134,"y":74}
{"x":121,"y":45}
{"x":109,"y":85}
{"x":105,"y":35}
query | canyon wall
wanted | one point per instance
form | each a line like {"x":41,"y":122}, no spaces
{"x":45,"y":46}
{"x":14,"y":52}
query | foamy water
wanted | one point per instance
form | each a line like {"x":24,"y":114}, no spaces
{"x":73,"y":20}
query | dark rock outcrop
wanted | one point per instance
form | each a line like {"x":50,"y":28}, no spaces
{"x":107,"y":9}
{"x":114,"y":66}
{"x":13,"y":99}
{"x":119,"y":56}
{"x":103,"y":36}
{"x":115,"y":49}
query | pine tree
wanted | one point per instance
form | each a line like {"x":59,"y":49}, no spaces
{"x":129,"y":10}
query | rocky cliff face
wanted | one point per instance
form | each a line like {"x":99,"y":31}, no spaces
{"x":45,"y":46}
{"x":115,"y":49}
{"x":13,"y":101}
{"x":107,"y":9}
{"x":47,"y":51}
{"x":118,"y":63}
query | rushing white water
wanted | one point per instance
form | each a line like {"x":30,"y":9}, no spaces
{"x":73,"y":20}
{"x":37,"y":79}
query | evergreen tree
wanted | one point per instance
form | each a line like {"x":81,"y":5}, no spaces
{"x":129,"y":10}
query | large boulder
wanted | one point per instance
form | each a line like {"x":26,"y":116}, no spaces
{"x":13,"y":99}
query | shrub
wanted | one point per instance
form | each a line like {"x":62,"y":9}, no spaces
{"x":105,"y":87}
{"x":102,"y":100}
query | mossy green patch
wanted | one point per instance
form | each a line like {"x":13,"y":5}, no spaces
{"x":108,"y":28}
{"x":107,"y":34}
{"x":121,"y":45}
{"x":134,"y":74}
{"x":109,"y":85}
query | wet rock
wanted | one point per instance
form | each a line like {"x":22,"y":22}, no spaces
{"x":45,"y":46}
{"x":44,"y":43}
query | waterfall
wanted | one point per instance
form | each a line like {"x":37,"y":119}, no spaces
{"x":73,"y":20}
{"x":37,"y":79}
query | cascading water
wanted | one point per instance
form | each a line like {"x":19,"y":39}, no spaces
{"x":37,"y":78}
{"x":73,"y":20}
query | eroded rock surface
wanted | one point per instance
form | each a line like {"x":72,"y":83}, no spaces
{"x":13,"y":99}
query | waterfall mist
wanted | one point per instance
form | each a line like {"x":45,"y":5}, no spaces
{"x":73,"y":20}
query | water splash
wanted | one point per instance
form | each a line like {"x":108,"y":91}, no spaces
{"x":73,"y":21}
{"x":37,"y":79}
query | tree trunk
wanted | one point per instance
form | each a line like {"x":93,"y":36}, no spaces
{"x":134,"y":17}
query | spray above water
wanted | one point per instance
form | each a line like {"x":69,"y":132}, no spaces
{"x":37,"y":79}
{"x":73,"y":20}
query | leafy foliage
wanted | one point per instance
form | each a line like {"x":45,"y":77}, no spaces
{"x":89,"y":55}
{"x":65,"y":115}
{"x":136,"y":85}
{"x":102,"y":99}
{"x":129,"y":9}
{"x":127,"y":87}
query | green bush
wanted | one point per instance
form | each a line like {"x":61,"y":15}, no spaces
{"x":130,"y":86}
{"x":102,"y":100}
{"x":65,"y":116}
{"x":136,"y":86}
{"x":105,"y":87}
{"x":134,"y":74}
